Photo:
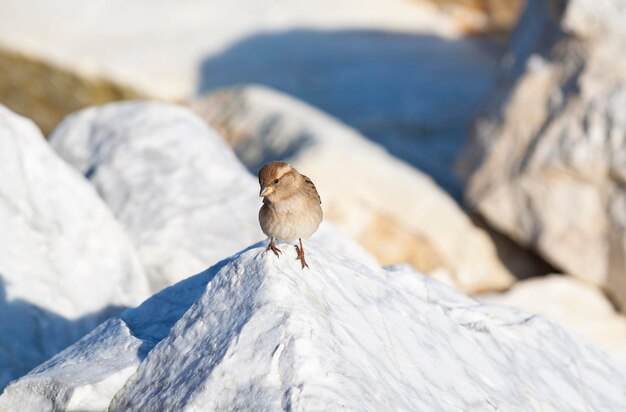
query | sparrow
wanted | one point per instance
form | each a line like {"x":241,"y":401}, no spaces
{"x":291,"y":206}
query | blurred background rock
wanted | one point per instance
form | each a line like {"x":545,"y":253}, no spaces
{"x":344,"y":58}
{"x":547,"y":158}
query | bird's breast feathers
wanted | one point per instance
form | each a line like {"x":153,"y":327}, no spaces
{"x":290,"y":219}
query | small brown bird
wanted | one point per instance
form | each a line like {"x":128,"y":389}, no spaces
{"x":291,"y":206}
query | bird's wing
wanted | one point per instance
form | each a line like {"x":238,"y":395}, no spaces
{"x":311,"y":187}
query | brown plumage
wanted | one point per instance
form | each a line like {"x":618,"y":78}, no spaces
{"x":291,"y":206}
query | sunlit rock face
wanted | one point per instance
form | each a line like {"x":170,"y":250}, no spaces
{"x":258,"y":332}
{"x":177,"y":189}
{"x":547,"y":161}
{"x":65,"y":263}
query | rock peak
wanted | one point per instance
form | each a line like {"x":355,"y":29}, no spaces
{"x":255,"y":331}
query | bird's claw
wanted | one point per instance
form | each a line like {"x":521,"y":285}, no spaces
{"x":274,"y":249}
{"x":300,"y":257}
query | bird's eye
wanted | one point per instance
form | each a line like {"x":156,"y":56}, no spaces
{"x":275,"y":181}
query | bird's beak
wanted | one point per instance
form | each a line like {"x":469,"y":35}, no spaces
{"x":266,"y":191}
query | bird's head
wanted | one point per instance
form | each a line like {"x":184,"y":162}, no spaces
{"x":277,"y":180}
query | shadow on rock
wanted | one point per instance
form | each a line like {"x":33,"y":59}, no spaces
{"x":169,"y":305}
{"x":30,"y":334}
{"x":414,"y":94}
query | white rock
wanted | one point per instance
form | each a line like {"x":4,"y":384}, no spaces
{"x":65,"y":264}
{"x":257,"y":332}
{"x":579,"y":306}
{"x":547,"y":164}
{"x":84,"y":377}
{"x":396,"y":212}
{"x":180,"y":192}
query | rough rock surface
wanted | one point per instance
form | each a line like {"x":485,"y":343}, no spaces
{"x":65,"y":263}
{"x":396,"y":212}
{"x":256,"y":332}
{"x":547,"y":163}
{"x":179,"y":191}
{"x":579,"y":306}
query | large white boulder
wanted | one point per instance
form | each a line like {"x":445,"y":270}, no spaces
{"x":257,"y":332}
{"x":65,"y":263}
{"x":547,"y":162}
{"x":393,"y":210}
{"x":177,"y":189}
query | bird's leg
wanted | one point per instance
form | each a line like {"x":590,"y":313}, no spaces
{"x":300,"y":257}
{"x":273,"y":248}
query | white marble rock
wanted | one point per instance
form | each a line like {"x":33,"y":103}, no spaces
{"x":65,"y":263}
{"x":177,"y":189}
{"x":257,"y":332}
